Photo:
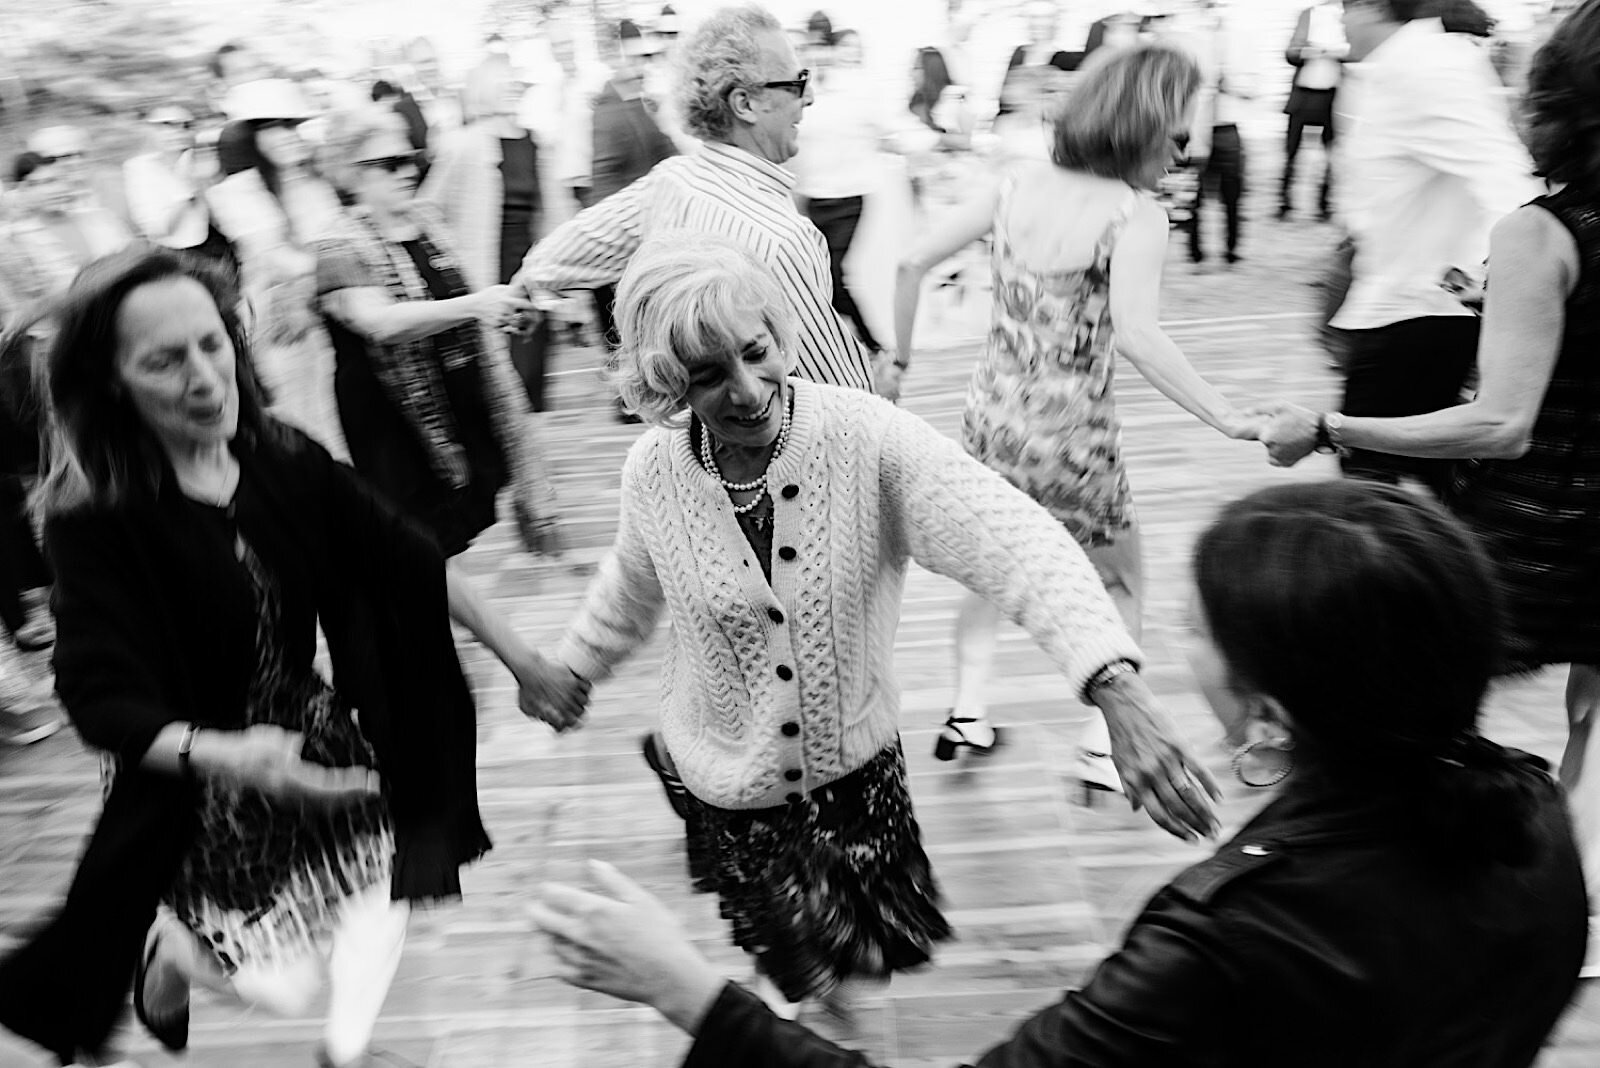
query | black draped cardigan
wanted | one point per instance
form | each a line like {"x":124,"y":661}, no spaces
{"x":139,"y":647}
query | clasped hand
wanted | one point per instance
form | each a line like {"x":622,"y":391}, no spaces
{"x":551,"y":692}
{"x":1290,"y":434}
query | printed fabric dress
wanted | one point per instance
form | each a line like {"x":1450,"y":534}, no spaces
{"x":1041,"y":408}
{"x":263,"y":883}
{"x":1539,"y":514}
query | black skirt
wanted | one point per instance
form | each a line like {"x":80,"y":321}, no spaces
{"x":833,"y":886}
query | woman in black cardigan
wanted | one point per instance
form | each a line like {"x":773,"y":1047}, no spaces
{"x":1412,"y":896}
{"x":277,"y":820}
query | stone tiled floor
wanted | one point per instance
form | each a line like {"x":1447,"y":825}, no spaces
{"x":1039,"y":885}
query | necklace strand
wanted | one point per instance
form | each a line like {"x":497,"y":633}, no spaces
{"x":709,"y":462}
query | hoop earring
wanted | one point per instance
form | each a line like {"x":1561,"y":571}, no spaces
{"x":1284,"y":746}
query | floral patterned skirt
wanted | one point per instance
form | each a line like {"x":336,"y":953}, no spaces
{"x":833,"y":886}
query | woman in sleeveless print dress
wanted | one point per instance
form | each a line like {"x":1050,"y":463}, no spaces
{"x":1041,"y":406}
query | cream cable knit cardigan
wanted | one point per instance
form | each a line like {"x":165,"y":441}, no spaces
{"x":768,"y":692}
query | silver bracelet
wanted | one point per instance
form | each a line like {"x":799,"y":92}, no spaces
{"x":1106,"y":674}
{"x":185,"y":748}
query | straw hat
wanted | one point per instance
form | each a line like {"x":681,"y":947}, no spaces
{"x":54,"y":142}
{"x":265,"y":100}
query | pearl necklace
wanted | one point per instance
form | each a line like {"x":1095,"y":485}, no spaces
{"x":709,"y":462}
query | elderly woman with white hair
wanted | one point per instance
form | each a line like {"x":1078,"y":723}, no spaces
{"x":772,"y":519}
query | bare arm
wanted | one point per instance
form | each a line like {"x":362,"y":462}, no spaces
{"x":1534,"y":269}
{"x":376,"y":316}
{"x":545,"y":690}
{"x":1136,"y":266}
{"x":960,"y":228}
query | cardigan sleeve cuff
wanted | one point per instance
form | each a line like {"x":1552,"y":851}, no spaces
{"x":1090,"y":656}
{"x":582,"y":659}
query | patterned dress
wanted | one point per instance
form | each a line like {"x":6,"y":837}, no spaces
{"x":1040,"y":409}
{"x":263,"y":883}
{"x":1539,"y":514}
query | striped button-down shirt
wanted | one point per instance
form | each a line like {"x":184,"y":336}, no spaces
{"x":722,"y":190}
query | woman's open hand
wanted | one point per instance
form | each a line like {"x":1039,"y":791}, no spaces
{"x":1158,"y":772}
{"x":267,"y":758}
{"x":624,"y":942}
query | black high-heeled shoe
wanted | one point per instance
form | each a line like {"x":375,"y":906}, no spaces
{"x":953,"y":738}
{"x":171,"y":1030}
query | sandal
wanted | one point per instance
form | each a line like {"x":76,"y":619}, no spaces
{"x":171,"y":1031}
{"x":953,"y":737}
{"x":677,"y":793}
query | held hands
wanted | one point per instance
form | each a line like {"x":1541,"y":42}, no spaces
{"x":1291,"y":435}
{"x":886,"y":376}
{"x":267,"y":758}
{"x":504,"y":308}
{"x":624,"y":942}
{"x":1158,"y":772}
{"x":551,"y":692}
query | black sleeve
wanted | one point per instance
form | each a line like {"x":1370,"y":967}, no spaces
{"x":1163,"y":998}
{"x":740,"y":1031}
{"x":106,"y":648}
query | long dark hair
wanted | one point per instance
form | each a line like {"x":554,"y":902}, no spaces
{"x":99,"y":452}
{"x":932,"y":80}
{"x":1371,"y":614}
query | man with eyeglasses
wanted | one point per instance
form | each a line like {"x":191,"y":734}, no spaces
{"x":743,"y":94}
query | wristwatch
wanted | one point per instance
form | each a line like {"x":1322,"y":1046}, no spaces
{"x":1330,"y":433}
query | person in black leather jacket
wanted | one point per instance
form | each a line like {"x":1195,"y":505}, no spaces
{"x":1412,"y":897}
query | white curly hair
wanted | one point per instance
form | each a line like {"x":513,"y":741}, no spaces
{"x":721,"y":55}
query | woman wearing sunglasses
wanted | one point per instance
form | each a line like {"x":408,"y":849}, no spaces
{"x":271,"y":205}
{"x":432,"y":412}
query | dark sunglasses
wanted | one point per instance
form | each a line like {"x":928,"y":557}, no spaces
{"x":276,"y":124}
{"x":57,"y":159}
{"x":797,"y":84}
{"x":392,"y":164}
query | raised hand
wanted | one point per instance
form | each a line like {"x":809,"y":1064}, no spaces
{"x":1291,"y":435}
{"x":622,"y":941}
{"x":267,"y":758}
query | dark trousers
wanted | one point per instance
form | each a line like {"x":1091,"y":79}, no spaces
{"x":22,"y":567}
{"x":1223,"y":174}
{"x":837,"y":219}
{"x":1291,"y":149}
{"x":1407,"y":368}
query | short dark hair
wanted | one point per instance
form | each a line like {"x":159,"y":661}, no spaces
{"x":215,"y":65}
{"x":383,"y":90}
{"x":1410,"y":10}
{"x":1372,"y":615}
{"x":1118,"y":120}
{"x":1561,"y":104}
{"x":25,"y":164}
{"x":100,"y":452}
